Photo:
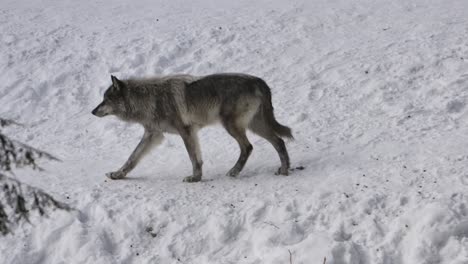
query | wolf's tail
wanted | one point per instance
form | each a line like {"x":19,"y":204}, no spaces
{"x":268,"y":115}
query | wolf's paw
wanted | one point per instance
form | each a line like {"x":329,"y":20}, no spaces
{"x":233,"y":172}
{"x":115,"y":175}
{"x":192,"y":179}
{"x":282,"y":171}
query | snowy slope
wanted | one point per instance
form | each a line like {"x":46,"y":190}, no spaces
{"x":375,"y":91}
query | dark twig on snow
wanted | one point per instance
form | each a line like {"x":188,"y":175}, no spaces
{"x":268,"y":223}
{"x":290,"y":257}
{"x":8,"y":122}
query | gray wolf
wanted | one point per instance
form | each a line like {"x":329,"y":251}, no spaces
{"x":183,"y":104}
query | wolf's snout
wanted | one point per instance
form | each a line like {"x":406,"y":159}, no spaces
{"x":97,"y":111}
{"x":102,"y":110}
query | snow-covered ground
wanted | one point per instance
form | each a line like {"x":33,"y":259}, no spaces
{"x":375,"y":91}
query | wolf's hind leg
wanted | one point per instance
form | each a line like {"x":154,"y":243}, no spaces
{"x":239,"y":134}
{"x":189,"y":136}
{"x":150,"y":139}
{"x":260,"y":127}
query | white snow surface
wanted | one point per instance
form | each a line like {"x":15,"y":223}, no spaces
{"x":375,"y":91}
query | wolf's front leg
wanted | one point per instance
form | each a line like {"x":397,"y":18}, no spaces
{"x":189,"y":135}
{"x":149,"y":140}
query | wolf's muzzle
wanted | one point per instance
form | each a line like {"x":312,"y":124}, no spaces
{"x":95,"y":111}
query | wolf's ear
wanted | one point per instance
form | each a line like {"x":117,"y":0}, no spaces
{"x":118,"y":84}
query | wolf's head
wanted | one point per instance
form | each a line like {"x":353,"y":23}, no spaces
{"x":113,"y":103}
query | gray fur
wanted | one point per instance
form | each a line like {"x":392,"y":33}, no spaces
{"x":183,"y":104}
